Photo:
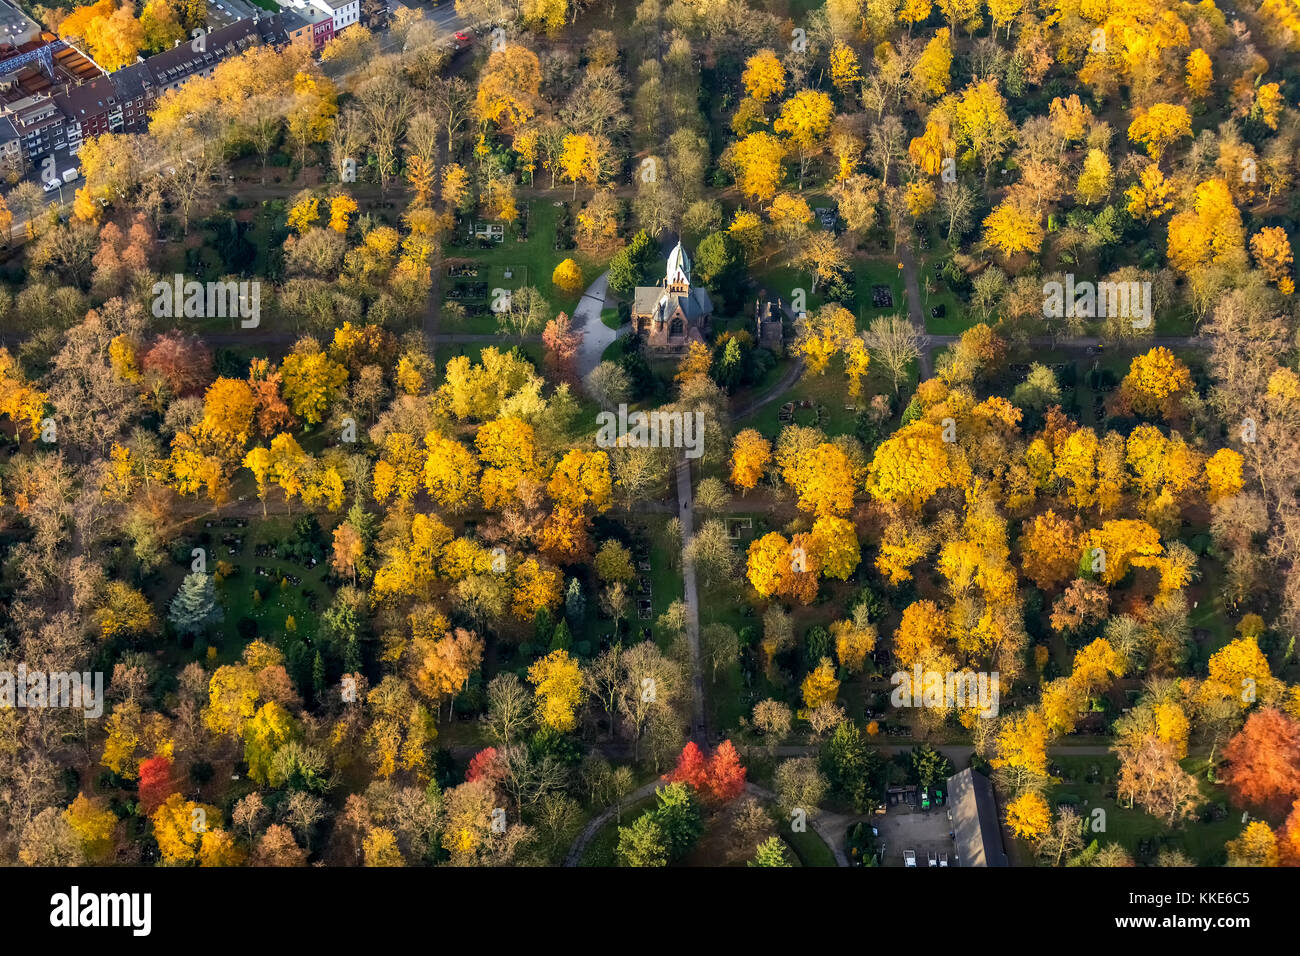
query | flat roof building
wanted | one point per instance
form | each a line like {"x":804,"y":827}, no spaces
{"x":976,"y":830}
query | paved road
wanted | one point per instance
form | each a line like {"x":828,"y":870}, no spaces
{"x":914,"y":310}
{"x":596,"y":335}
{"x":596,"y":823}
{"x":787,"y":382}
{"x":686,"y":508}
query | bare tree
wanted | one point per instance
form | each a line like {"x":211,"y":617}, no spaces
{"x":895,"y":343}
{"x":386,"y":103}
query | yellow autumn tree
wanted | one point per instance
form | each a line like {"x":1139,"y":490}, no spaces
{"x":508,"y":86}
{"x":1223,"y":475}
{"x":911,"y":466}
{"x":310,"y":382}
{"x":341,"y":208}
{"x":180,"y":826}
{"x":536,"y":587}
{"x":845,"y":69}
{"x":1158,"y":128}
{"x":820,"y":686}
{"x":1151,"y":196}
{"x":1155,"y":381}
{"x":764,"y":76}
{"x":756,"y":160}
{"x":558,"y":687}
{"x":1210,"y":233}
{"x":1200,"y":74}
{"x":1272,"y":251}
{"x":1028,"y":816}
{"x":94,"y":824}
{"x":567,"y":277}
{"x":1014,"y":227}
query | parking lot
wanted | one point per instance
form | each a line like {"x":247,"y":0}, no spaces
{"x":925,"y":831}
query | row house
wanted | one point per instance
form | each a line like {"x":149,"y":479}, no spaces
{"x":138,"y":86}
{"x":65,"y":114}
{"x":39,"y":124}
{"x":342,"y":13}
{"x":307,"y":25}
{"x":91,"y":109}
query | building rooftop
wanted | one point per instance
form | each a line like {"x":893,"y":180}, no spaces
{"x":224,"y":13}
{"x":15,"y":26}
{"x":975,"y":826}
{"x":89,"y":99}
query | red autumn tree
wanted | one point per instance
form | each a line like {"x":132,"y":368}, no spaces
{"x":156,"y":783}
{"x":488,"y":764}
{"x":562,"y":342}
{"x":692,"y":769}
{"x":718,"y":779}
{"x":183,"y":362}
{"x":1263,"y":763}
{"x":726,"y":777}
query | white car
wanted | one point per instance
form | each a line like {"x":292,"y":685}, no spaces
{"x":909,"y":858}
{"x":49,"y":187}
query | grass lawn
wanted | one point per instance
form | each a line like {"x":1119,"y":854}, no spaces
{"x":867,"y":273}
{"x":827,"y":392}
{"x":1086,"y":782}
{"x":665,"y":568}
{"x":279,"y":597}
{"x":954,"y":321}
{"x":600,"y":851}
{"x":808,"y":846}
{"x":530,"y":262}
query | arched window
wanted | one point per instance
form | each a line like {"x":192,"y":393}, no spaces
{"x":675,"y":327}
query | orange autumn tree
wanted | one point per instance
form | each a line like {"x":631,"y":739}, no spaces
{"x":1263,"y":763}
{"x":750,"y":455}
{"x":1050,"y":549}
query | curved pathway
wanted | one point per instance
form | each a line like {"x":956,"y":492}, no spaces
{"x":596,"y":335}
{"x":786,"y":382}
{"x":596,"y":823}
{"x":830,"y":827}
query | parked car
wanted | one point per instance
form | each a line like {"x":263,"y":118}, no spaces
{"x":70,"y":174}
{"x":932,"y":858}
{"x":52,"y":185}
{"x":909,"y":858}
